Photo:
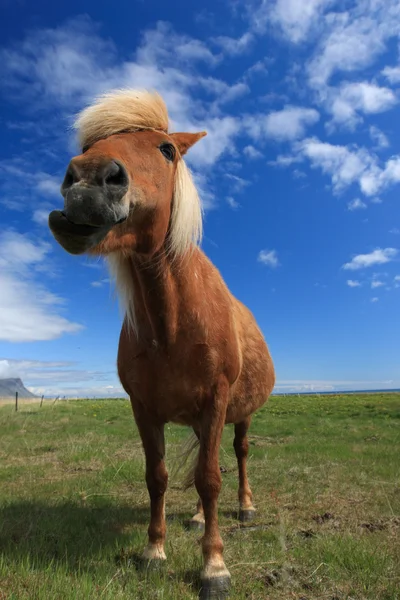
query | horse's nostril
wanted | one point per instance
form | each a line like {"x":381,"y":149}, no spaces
{"x":69,"y":179}
{"x":116,"y":174}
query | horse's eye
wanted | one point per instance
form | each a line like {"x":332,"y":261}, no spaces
{"x":168,"y":150}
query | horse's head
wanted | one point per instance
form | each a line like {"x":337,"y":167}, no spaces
{"x":130,"y":188}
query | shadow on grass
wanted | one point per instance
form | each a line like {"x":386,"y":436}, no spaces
{"x":70,"y":534}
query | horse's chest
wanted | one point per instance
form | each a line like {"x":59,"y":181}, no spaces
{"x":172,"y":386}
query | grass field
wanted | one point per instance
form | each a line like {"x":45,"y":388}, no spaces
{"x":325,"y":473}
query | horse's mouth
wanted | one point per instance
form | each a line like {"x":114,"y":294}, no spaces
{"x":59,"y":221}
{"x":77,"y":238}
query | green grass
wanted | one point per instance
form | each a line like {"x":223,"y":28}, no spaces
{"x":325,"y":474}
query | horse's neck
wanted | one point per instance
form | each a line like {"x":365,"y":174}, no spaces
{"x":156,"y":290}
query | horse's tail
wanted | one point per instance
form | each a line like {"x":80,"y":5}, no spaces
{"x":187,"y":459}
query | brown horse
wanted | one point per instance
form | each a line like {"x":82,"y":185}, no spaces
{"x":189,"y":352}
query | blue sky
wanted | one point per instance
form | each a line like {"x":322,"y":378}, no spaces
{"x":299,"y":176}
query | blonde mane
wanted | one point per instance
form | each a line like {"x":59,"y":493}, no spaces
{"x":124,"y":111}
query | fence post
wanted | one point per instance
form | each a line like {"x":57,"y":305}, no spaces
{"x":41,"y":402}
{"x":16,"y":401}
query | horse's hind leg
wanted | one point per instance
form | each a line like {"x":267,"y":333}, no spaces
{"x":198,"y":521}
{"x":241,"y":445}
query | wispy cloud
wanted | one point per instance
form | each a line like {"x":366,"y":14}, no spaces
{"x":237,"y":183}
{"x":234,"y":204}
{"x":287,"y":124}
{"x":28,"y":310}
{"x":350,"y":99}
{"x":252,"y":152}
{"x":100,"y":282}
{"x":356,"y":204}
{"x":315,"y":385}
{"x":62,"y":378}
{"x":269,"y":258}
{"x":376,"y":257}
{"x":392,"y":74}
{"x":353,"y":283}
{"x":378,"y":137}
{"x":234,"y":46}
{"x":376,"y":283}
{"x":353,"y":39}
{"x":346,"y":165}
{"x":294,"y":20}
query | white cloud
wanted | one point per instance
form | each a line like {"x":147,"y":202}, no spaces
{"x":100,"y":282}
{"x":376,"y":283}
{"x":19,"y":368}
{"x":70,"y":65}
{"x":353,"y":39}
{"x":392,"y":74}
{"x":356,"y":204}
{"x":290,"y":123}
{"x":397,"y":278}
{"x":377,"y":179}
{"x":28,"y":311}
{"x":375,"y":299}
{"x":376,"y":257}
{"x":252,"y":152}
{"x":207,"y":196}
{"x":285,"y":161}
{"x":353,"y":283}
{"x":234,"y":204}
{"x":53,"y":378}
{"x":378,"y":137}
{"x":41,"y":213}
{"x":234,"y":46}
{"x":310,"y":385}
{"x":48,"y":185}
{"x":93,"y":391}
{"x":269,"y":258}
{"x":365,"y":97}
{"x":40,"y":216}
{"x":346,"y":165}
{"x":293,"y":18}
{"x":238,"y":184}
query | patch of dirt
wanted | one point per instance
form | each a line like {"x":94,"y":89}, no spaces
{"x":307,"y":533}
{"x":381,"y":524}
{"x":320,"y":519}
{"x":272,"y":578}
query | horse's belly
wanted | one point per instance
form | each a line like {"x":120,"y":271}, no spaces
{"x":252,"y":388}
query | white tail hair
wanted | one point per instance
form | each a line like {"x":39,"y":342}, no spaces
{"x":189,"y":451}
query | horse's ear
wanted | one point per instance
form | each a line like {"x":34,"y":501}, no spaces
{"x":184,"y":141}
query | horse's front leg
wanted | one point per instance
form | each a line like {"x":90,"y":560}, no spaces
{"x":215,"y":576}
{"x":152,"y":435}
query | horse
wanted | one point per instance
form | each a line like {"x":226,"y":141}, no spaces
{"x":189,"y":351}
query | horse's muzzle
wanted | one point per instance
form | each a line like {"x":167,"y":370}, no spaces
{"x":94,"y":202}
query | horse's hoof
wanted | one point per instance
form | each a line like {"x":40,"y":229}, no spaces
{"x":246,"y":515}
{"x":215,"y":588}
{"x":194,"y":525}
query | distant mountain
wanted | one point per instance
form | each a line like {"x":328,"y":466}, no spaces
{"x":8,"y":387}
